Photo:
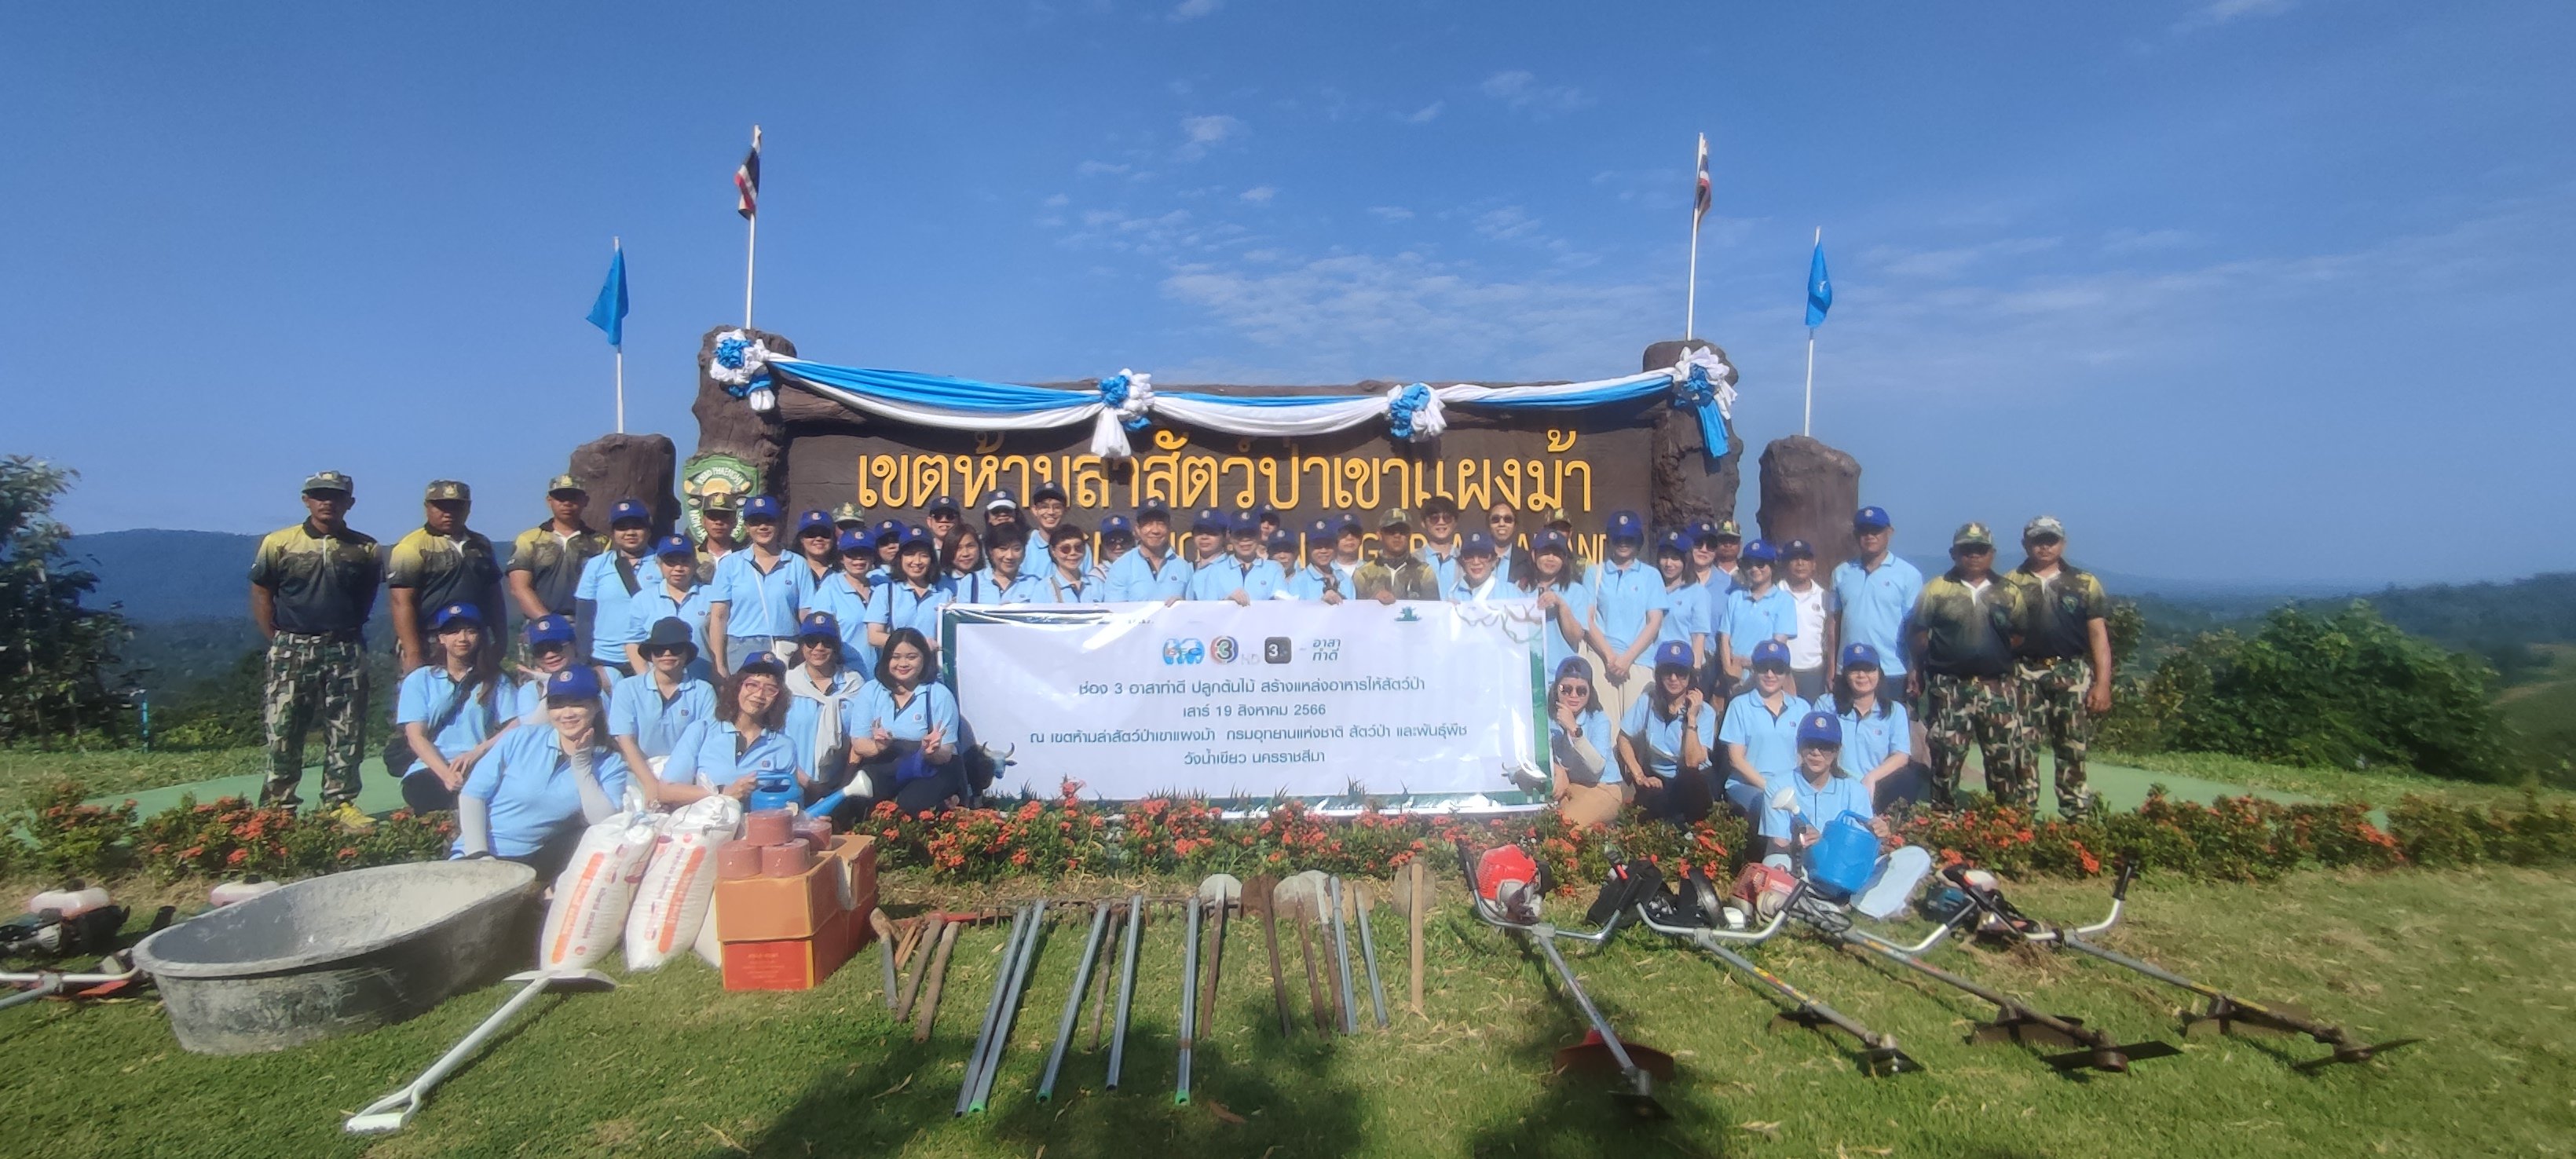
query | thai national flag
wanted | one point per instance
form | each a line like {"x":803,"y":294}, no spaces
{"x":746,"y":180}
{"x":1699,"y":207}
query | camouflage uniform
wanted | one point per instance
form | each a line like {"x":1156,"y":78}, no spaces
{"x":1967,"y":689}
{"x":322,"y":588}
{"x":2052,"y":670}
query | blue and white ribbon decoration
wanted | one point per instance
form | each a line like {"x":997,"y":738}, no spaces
{"x":741,"y":365}
{"x":1701,"y":382}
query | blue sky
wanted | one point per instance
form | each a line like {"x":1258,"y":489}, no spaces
{"x":2271,"y":289}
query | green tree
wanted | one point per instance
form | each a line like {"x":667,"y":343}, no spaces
{"x":53,"y":652}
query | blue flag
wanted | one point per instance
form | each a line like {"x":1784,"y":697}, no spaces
{"x":609,"y":312}
{"x":1820,"y":291}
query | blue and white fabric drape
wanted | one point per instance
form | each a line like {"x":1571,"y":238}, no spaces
{"x":1127,"y":401}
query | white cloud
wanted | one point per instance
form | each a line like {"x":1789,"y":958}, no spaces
{"x":1424,"y":115}
{"x":1509,"y":222}
{"x":1521,"y":91}
{"x":1198,"y":134}
{"x":1057,"y":200}
{"x":2221,"y":12}
{"x":1193,"y":9}
{"x":1259,"y":194}
{"x":2131,"y":241}
{"x":1898,"y":262}
{"x":1390,"y":213}
{"x":1098,"y":168}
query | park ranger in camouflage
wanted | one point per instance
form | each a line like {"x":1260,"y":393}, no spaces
{"x":312,"y":587}
{"x":547,"y":560}
{"x":2061,"y":661}
{"x":1412,"y":576}
{"x":438,"y":563}
{"x":1963,"y":652}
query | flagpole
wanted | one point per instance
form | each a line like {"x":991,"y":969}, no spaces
{"x":1690,"y":307}
{"x":751,"y":245}
{"x":1807,"y":425}
{"x":618,"y":245}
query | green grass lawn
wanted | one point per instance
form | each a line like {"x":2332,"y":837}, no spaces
{"x":2381,"y":789}
{"x":23,"y":771}
{"x":671,"y":1065}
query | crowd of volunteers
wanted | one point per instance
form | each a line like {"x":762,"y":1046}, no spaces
{"x":1691,"y":670}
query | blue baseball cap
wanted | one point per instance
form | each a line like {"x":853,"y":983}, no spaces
{"x":812,"y":521}
{"x":1626,"y":525}
{"x":549,"y":630}
{"x":574,"y":682}
{"x":762,"y":661}
{"x":1673,"y":654}
{"x":1209,"y":519}
{"x":1245,"y":523}
{"x":1000,"y":499}
{"x":1871,"y":519}
{"x":1672,"y":541}
{"x":1270,"y":514}
{"x":1550,"y":540}
{"x":886,"y":529}
{"x":947,"y":503}
{"x":1476,"y":543}
{"x":1859,"y":656}
{"x":1046,"y":491}
{"x":454,"y":612}
{"x":1702,"y":529}
{"x":1320,"y":533}
{"x":1154,"y":509}
{"x":1760,"y":551}
{"x":1117,"y":525}
{"x":1280,"y":540}
{"x":1770,"y":652}
{"x":629,"y":509}
{"x":671,"y":545}
{"x":1797,"y":549}
{"x":1348,"y":521}
{"x":908,"y":536}
{"x":760,"y":507}
{"x":813,"y":624}
{"x":1821,"y":728}
{"x":854,"y":540}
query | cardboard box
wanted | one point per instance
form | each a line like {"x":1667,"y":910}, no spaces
{"x":795,"y":963}
{"x":768,"y":909}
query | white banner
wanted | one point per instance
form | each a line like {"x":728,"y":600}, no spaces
{"x":1283,"y":696}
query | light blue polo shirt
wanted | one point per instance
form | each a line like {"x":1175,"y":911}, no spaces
{"x":1052,"y":588}
{"x":931,"y":704}
{"x":1869,"y":740}
{"x":1659,"y":740}
{"x":1685,"y":615}
{"x":1876,"y":607}
{"x":528,"y":697}
{"x":528,"y":782}
{"x":1818,"y":806}
{"x":1621,"y":598}
{"x":1595,"y":727}
{"x":896,"y":605}
{"x":1770,"y":741}
{"x":612,"y":615}
{"x":424,"y":695}
{"x":1039,"y":564}
{"x":1749,"y":621}
{"x":1219,"y":579}
{"x":850,"y":616}
{"x":1579,"y":598}
{"x":655,"y":604}
{"x":1308,"y":584}
{"x":1134,"y":578}
{"x":1445,"y":570}
{"x":763,"y":603}
{"x":802,"y":715}
{"x":1496,"y":587}
{"x":704,"y":755}
{"x":638,"y":708}
{"x":980,"y":586}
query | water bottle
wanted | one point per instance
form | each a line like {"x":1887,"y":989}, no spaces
{"x":775,"y":790}
{"x":72,"y":900}
{"x":239,"y":891}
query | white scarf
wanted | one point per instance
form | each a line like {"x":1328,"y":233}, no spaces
{"x":827,"y":723}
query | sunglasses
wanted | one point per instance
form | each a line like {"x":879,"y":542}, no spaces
{"x":1501,"y":518}
{"x":1573,"y":690}
{"x":1773,"y":667}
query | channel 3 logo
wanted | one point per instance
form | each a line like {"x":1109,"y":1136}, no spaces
{"x":1277,"y":650}
{"x":1223,"y":650}
{"x":1184,"y":651}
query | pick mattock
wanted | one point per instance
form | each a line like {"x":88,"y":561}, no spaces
{"x":2226,"y":1014}
{"x":1513,"y":905}
{"x":1687,"y":917}
{"x":926,"y":1014}
{"x":1302,"y":904}
{"x":393,"y":1112}
{"x":1260,"y":896}
{"x":1220,"y":892}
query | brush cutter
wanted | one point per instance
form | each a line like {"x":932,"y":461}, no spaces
{"x":1505,"y":888}
{"x":393,"y":1112}
{"x":1689,"y":916}
{"x":1126,"y":988}
{"x":2226,"y":1014}
{"x":1073,"y":1000}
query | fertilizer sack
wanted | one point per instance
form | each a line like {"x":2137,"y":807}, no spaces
{"x":591,"y":896}
{"x":679,"y":883}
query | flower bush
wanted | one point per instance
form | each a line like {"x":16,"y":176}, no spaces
{"x":230,"y":837}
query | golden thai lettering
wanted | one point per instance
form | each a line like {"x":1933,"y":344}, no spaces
{"x":976,"y":476}
{"x":1090,"y":488}
{"x":1565,"y":467}
{"x":1270,"y":474}
{"x":1189,"y":481}
{"x":1243,"y":496}
{"x":1198,"y":482}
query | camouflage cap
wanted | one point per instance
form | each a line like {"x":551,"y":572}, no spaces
{"x":2044,"y":527}
{"x":1972,"y":535}
{"x":849,"y":513}
{"x":565,"y":483}
{"x":725,"y":501}
{"x":445,"y":489}
{"x":330,"y":481}
{"x":1726,"y":529}
{"x":1395,"y":517}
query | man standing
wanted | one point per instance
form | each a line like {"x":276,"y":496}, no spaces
{"x":1480,"y":577}
{"x":2061,"y":662}
{"x":1047,"y":505}
{"x":1002,"y":520}
{"x":718,"y":517}
{"x":1440,"y":540}
{"x":546,"y":560}
{"x":1503,"y":522}
{"x":751,"y":605}
{"x":1807,"y":597}
{"x":1152,"y":571}
{"x":1628,"y":609}
{"x":848,"y":517}
{"x":609,"y":585}
{"x":1715,"y":548}
{"x":1872,"y":602}
{"x":1242,"y":576}
{"x":677,"y":595}
{"x":1961,"y":636}
{"x":943,"y":517}
{"x":1412,"y":577}
{"x":312,"y":587}
{"x":1348,"y":540}
{"x":1067,"y":579}
{"x":440,"y":563}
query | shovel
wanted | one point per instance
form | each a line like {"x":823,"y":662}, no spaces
{"x":924,"y":1015}
{"x":393,"y":1112}
{"x":1413,"y":899}
{"x":1221,"y":891}
{"x":1260,"y":897}
{"x":1301,"y":906}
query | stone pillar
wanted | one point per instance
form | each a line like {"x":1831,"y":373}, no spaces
{"x":1688,"y":484}
{"x":618,"y":467}
{"x":1809,"y":491}
{"x":728,"y":426}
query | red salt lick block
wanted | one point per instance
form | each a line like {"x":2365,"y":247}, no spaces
{"x":736,"y":860}
{"x":768,"y":827}
{"x":786,"y":860}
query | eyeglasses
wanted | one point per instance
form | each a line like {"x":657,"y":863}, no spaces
{"x":1772,"y":667}
{"x":1573,"y":690}
{"x":1502,"y":517}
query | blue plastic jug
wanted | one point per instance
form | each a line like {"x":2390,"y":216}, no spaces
{"x":1845,"y":855}
{"x":775,"y":791}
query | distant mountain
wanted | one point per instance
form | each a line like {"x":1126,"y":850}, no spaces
{"x":2254,"y":595}
{"x":160,"y":576}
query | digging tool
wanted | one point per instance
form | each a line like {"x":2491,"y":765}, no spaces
{"x":920,"y":956}
{"x":1020,"y":926}
{"x":1639,"y":1065}
{"x":1260,"y":896}
{"x":1301,"y":907}
{"x":1073,"y":999}
{"x":393,"y":1112}
{"x":1010,"y":1008}
{"x":1418,"y":903}
{"x":1222,"y":891}
{"x":1368,"y":953}
{"x":1189,"y":995}
{"x":1342,"y":962}
{"x":884,"y":929}
{"x":926,"y":1014}
{"x":2226,"y":1014}
{"x":1126,"y":987}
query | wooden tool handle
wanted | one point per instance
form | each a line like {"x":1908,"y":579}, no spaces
{"x":929,"y":1011}
{"x":1413,"y":922}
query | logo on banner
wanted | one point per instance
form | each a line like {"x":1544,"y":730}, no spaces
{"x":1183,"y":651}
{"x":1277,"y":650}
{"x":1222,"y":649}
{"x":1406,"y":616}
